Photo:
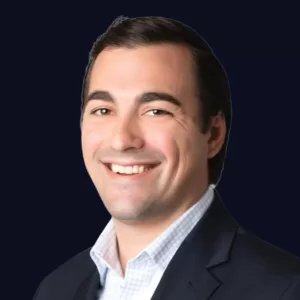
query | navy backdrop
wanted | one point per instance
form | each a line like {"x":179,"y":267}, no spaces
{"x":59,"y":212}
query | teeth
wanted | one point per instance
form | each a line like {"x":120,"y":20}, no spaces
{"x":128,"y":169}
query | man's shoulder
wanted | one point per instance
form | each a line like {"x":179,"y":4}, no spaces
{"x":264,"y":255}
{"x":67,"y":276}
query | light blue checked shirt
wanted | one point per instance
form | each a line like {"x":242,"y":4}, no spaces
{"x":144,"y":272}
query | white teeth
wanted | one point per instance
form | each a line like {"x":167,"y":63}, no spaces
{"x":128,"y":169}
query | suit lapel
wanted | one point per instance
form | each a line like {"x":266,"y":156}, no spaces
{"x":93,"y":288}
{"x":187,"y":282}
{"x":188,"y":275}
{"x":89,"y":288}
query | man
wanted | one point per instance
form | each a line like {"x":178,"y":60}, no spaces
{"x":155,"y":123}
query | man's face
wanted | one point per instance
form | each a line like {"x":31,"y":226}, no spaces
{"x":129,"y":126}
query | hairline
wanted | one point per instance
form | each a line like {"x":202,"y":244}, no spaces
{"x":135,"y":45}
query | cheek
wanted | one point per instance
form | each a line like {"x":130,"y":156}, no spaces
{"x":164,"y":141}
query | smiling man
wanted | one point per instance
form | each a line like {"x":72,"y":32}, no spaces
{"x":155,"y":123}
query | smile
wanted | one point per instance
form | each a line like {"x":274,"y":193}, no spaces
{"x":130,"y":170}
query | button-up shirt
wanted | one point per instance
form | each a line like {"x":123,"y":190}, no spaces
{"x":143,"y":272}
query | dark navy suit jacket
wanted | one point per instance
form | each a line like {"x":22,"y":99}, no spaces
{"x":218,"y":260}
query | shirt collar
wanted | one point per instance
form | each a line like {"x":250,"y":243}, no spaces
{"x":104,"y":253}
{"x":162,"y":249}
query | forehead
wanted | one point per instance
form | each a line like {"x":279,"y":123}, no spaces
{"x":164,"y":67}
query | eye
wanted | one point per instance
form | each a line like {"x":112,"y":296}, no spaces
{"x":100,"y":111}
{"x":158,"y":112}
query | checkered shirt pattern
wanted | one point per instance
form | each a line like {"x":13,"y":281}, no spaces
{"x":144,"y":272}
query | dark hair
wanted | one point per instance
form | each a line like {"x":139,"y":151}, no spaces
{"x":212,"y":81}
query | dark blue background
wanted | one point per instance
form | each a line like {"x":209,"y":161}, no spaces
{"x":57,"y":212}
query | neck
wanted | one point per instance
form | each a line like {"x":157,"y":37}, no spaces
{"x":133,"y":237}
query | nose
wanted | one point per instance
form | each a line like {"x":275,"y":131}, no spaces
{"x":126,"y":135}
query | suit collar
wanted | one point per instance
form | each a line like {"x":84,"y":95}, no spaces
{"x":188,"y":275}
{"x":90,"y":287}
{"x":212,"y":238}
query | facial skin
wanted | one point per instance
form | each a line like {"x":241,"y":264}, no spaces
{"x":118,"y":127}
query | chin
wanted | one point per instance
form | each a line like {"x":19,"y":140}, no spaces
{"x":125,"y":216}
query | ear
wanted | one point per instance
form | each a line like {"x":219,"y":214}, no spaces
{"x":217,"y":134}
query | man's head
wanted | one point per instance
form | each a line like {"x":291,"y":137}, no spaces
{"x":154,"y":96}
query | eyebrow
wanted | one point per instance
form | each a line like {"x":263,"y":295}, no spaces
{"x":142,"y":99}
